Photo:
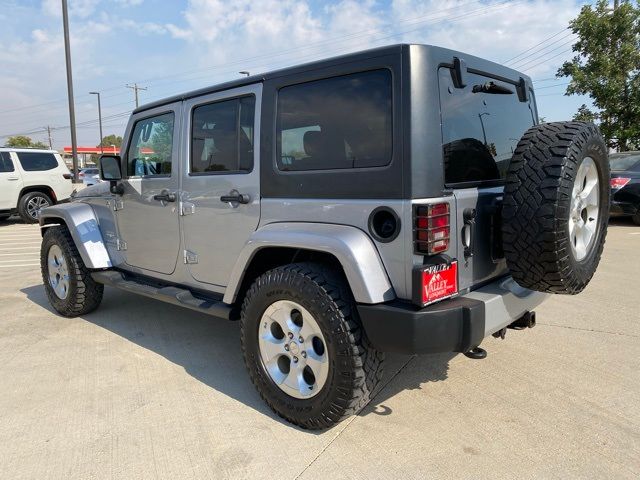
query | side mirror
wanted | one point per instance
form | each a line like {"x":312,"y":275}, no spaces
{"x":110,"y":168}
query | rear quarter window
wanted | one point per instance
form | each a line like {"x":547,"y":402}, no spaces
{"x":480,"y":130}
{"x":37,"y":161}
{"x":336,"y":123}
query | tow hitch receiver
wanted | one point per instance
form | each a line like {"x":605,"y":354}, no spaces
{"x":528,"y":320}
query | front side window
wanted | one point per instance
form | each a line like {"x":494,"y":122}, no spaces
{"x":150,"y":150}
{"x":6,"y":165}
{"x":222,"y":136}
{"x":336,"y":123}
{"x":37,"y":161}
{"x":481,"y":125}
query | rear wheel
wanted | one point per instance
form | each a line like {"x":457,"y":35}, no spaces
{"x":304,"y":346}
{"x":30,"y":205}
{"x":556,"y":207}
{"x":68,"y":283}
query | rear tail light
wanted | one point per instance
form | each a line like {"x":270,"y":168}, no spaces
{"x":619,"y":182}
{"x":431,"y":228}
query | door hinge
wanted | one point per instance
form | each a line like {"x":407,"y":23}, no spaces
{"x":190,"y":257}
{"x":120,"y":244}
{"x":187,"y":208}
{"x":117,"y":204}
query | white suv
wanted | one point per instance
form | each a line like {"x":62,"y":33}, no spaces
{"x":32,"y":179}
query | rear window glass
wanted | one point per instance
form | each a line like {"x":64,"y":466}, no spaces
{"x":37,"y":161}
{"x":623,"y":161}
{"x":336,"y":123}
{"x":480,"y":130}
{"x":6,"y":165}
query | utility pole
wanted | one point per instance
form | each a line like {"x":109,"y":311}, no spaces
{"x":72,"y":113}
{"x":135,"y":88}
{"x":49,"y":133}
{"x":99,"y":118}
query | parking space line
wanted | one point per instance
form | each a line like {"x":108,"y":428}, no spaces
{"x":17,"y":260}
{"x":15,"y":254}
{"x":21,"y":248}
{"x":21,"y":265}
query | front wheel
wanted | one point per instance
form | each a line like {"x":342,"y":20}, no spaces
{"x":304,"y":346}
{"x":70,"y":288}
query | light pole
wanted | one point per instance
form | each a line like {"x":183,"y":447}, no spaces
{"x":72,"y":113}
{"x":484,"y":134}
{"x":99,"y":118}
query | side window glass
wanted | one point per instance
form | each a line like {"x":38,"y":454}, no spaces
{"x":37,"y":161}
{"x":334,"y":123}
{"x":222,"y":136}
{"x":151,"y":147}
{"x":6,"y":165}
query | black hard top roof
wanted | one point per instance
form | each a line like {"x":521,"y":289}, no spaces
{"x":328,"y":62}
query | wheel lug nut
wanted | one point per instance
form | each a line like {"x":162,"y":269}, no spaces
{"x":286,"y":347}
{"x":304,"y":354}
{"x":300,"y":339}
{"x":295,"y":359}
{"x":290,"y":335}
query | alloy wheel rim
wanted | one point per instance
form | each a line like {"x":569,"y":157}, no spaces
{"x":58,"y":272}
{"x":583,"y":213}
{"x":293,"y":349}
{"x":35,"y":204}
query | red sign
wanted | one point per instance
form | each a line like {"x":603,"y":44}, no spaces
{"x":439,"y":281}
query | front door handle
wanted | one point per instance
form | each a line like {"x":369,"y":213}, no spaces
{"x":13,"y":178}
{"x":165,"y":196}
{"x":235,"y":197}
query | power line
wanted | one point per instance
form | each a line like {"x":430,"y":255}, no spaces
{"x":540,"y":50}
{"x":413,"y":20}
{"x":432,"y":20}
{"x":542,"y":55}
{"x":536,"y":45}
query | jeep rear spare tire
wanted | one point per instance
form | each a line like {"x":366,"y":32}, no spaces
{"x":556,"y":207}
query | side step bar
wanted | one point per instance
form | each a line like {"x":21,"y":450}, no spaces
{"x":169,"y":294}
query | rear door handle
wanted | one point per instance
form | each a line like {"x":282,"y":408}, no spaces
{"x":13,"y":178}
{"x":468,"y":231}
{"x":235,"y":197}
{"x":165,"y":196}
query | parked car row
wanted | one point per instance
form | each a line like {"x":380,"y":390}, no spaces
{"x":30,"y":180}
{"x":625,"y":185}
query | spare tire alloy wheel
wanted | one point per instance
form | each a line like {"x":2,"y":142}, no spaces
{"x":583,"y":219}
{"x":293,"y":349}
{"x":556,"y":207}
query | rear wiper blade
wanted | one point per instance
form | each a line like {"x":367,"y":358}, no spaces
{"x":491,"y":87}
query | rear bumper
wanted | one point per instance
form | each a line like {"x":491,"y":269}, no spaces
{"x":454,"y":325}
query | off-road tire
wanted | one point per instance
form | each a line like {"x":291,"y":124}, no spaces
{"x":355,"y":368}
{"x":24,"y":202}
{"x":85,"y":294}
{"x":536,"y":209}
{"x":636,"y":218}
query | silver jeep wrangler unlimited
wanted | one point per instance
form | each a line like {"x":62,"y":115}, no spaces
{"x":402,"y":199}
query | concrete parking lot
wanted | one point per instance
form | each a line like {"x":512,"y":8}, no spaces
{"x":141,"y":389}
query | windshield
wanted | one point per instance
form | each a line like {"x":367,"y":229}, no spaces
{"x":623,"y":161}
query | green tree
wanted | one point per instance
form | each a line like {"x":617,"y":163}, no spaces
{"x":111,"y":140}
{"x":21,"y":141}
{"x":584,"y":114}
{"x":606,"y":67}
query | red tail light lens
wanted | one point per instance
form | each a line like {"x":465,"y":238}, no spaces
{"x":432,"y":228}
{"x":619,"y":182}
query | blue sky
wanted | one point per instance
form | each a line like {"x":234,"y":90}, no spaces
{"x":174,"y":46}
